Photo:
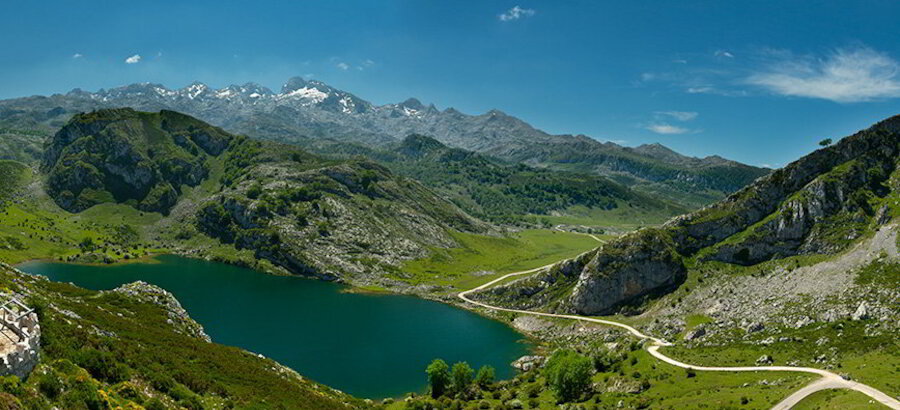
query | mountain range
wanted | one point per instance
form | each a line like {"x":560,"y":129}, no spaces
{"x":309,"y":113}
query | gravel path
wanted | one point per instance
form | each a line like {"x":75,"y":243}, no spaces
{"x":829,"y":380}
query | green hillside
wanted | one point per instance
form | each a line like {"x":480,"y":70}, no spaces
{"x":505,"y":192}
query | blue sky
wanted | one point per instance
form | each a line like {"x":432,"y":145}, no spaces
{"x":760,"y":82}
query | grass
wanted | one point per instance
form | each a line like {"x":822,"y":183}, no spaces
{"x":621,"y":218}
{"x":873,"y":360}
{"x":481,"y":258}
{"x":837,"y":400}
{"x":13,"y":175}
{"x":42,"y":231}
{"x":670,"y":387}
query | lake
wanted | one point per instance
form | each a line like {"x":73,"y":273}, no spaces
{"x":368,"y":345}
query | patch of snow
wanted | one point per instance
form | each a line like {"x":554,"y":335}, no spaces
{"x":409,"y":112}
{"x":313,"y":95}
{"x":347,"y":105}
{"x":195,"y":89}
{"x":164,"y":92}
{"x":225,"y":93}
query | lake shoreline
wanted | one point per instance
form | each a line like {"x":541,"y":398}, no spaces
{"x":242,"y":287}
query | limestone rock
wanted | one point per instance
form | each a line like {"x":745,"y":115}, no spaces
{"x":862,"y":312}
{"x":526,"y":363}
{"x":700,"y":331}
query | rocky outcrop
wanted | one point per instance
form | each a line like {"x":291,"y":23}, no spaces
{"x":630,"y":267}
{"x":804,"y":221}
{"x":353,"y":221}
{"x":122,"y":155}
{"x":178,"y":317}
{"x":816,"y":204}
{"x":750,"y":205}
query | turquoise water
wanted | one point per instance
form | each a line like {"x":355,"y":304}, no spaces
{"x":367,"y":345}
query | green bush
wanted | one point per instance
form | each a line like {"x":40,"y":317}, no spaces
{"x":11,"y":385}
{"x":485,"y":377}
{"x":438,"y":377}
{"x":154,"y":404}
{"x":50,"y":385}
{"x":462,"y":375}
{"x":568,"y":374}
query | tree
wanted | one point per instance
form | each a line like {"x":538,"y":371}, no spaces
{"x":485,"y":376}
{"x":568,"y":374}
{"x":825,"y":142}
{"x":438,"y":377}
{"x":462,"y":376}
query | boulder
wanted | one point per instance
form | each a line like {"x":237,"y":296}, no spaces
{"x":754,"y":327}
{"x":698,"y":332}
{"x":526,"y":363}
{"x":862,"y":312}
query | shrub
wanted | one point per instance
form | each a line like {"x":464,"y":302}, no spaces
{"x":154,"y":404}
{"x":102,"y":365}
{"x":162,"y":382}
{"x":11,"y":385}
{"x":438,"y":377}
{"x":568,"y":374}
{"x":462,"y":376}
{"x":533,"y":390}
{"x":485,"y":377}
{"x":50,"y":385}
{"x":254,"y":191}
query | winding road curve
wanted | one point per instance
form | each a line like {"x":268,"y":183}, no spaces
{"x":829,"y":380}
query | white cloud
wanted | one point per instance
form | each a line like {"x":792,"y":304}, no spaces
{"x":678,"y":115}
{"x":701,"y":90}
{"x":845,"y":75}
{"x":723,"y":53}
{"x":368,"y":63}
{"x":77,"y":55}
{"x":516,"y":13}
{"x":133,"y":59}
{"x":667,"y":129}
{"x":343,"y":66}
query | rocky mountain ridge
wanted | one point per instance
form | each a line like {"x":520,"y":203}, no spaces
{"x":820,"y":203}
{"x":306,"y":111}
{"x":352,"y":219}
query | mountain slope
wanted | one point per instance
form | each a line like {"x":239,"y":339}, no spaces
{"x":304,"y":111}
{"x":819,"y":204}
{"x":124,"y":155}
{"x":497,"y":190}
{"x":348,"y":219}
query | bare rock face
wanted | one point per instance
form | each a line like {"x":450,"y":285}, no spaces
{"x":627,"y":268}
{"x":779,"y":214}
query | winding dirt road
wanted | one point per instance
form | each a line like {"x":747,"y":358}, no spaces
{"x":829,"y":380}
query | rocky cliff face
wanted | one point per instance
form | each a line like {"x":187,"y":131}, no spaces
{"x":819,"y":203}
{"x":627,"y":268}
